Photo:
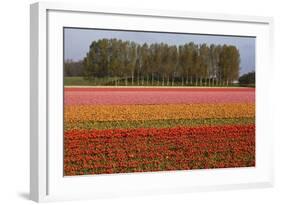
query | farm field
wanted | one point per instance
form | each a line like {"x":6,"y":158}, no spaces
{"x":119,"y":130}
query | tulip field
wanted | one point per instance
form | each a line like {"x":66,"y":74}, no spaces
{"x":132,"y":129}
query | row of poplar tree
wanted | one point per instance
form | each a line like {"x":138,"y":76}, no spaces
{"x":129,"y":63}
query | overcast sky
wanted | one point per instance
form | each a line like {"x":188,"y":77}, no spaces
{"x":77,"y":42}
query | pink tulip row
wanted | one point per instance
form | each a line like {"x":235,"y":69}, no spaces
{"x":123,"y":96}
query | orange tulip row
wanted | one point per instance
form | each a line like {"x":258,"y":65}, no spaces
{"x":82,"y":113}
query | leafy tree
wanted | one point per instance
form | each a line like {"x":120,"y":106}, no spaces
{"x":229,"y":62}
{"x":204,"y":62}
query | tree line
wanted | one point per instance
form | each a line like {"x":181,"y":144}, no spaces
{"x":73,"y":68}
{"x":248,"y":79}
{"x":129,"y":63}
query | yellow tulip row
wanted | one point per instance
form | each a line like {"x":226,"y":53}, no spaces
{"x":82,"y":113}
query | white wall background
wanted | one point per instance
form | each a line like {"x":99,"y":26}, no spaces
{"x":14,"y":101}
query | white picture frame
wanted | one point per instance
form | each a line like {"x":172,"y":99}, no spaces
{"x":47,"y":182}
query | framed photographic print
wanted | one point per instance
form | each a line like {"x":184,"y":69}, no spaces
{"x":128,"y":102}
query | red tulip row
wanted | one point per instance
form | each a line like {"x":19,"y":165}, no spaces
{"x":158,"y":149}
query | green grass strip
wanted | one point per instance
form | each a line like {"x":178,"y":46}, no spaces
{"x":99,"y":125}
